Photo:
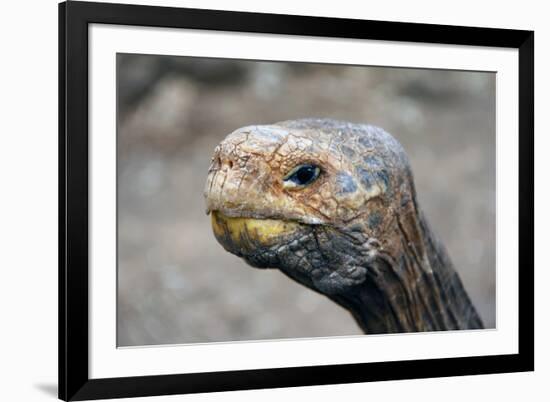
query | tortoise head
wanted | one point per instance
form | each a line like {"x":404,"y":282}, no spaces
{"x":315,"y":198}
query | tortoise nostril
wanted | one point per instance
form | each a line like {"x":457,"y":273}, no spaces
{"x":225,"y":163}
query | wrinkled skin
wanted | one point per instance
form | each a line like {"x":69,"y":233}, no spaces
{"x":354,"y":234}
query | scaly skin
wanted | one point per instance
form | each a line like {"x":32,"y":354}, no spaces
{"x":356,"y":234}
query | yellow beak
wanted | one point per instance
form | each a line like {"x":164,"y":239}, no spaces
{"x":245,"y":234}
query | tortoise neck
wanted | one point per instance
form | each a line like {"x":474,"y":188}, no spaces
{"x":413,"y":289}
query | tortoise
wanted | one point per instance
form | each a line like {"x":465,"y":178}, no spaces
{"x":333,"y":206}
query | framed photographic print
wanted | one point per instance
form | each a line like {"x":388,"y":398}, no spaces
{"x":259,"y":200}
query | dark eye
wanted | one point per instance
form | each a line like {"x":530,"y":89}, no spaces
{"x":301,"y":176}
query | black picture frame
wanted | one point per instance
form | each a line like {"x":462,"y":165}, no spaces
{"x":74,"y":381}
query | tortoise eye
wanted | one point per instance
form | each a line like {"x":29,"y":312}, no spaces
{"x":301,"y":176}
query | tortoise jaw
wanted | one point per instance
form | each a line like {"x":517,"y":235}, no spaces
{"x":244,"y":236}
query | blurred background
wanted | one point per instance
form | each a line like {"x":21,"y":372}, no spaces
{"x":177,"y":285}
